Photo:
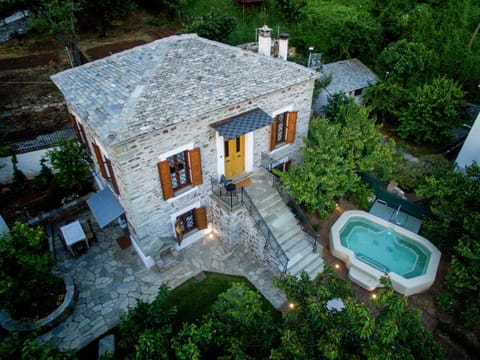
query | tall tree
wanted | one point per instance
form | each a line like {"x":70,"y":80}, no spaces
{"x":453,"y":197}
{"x":71,"y":162}
{"x":58,"y":17}
{"x":335,"y":152}
{"x":404,"y":62}
{"x":339,"y":31}
{"x":433,"y":112}
{"x":314,"y":330}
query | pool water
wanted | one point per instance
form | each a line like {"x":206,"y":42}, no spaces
{"x":384,"y":249}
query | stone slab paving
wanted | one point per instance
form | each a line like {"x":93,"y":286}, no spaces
{"x":110,"y":280}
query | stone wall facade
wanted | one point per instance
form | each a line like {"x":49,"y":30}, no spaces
{"x":135,"y":163}
{"x":238,"y":227}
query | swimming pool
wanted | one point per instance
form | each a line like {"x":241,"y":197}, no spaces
{"x":372,"y":247}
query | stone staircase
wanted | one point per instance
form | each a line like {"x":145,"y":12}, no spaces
{"x":284,"y":226}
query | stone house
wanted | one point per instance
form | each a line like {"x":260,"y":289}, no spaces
{"x":164,"y":121}
{"x":349,"y":77}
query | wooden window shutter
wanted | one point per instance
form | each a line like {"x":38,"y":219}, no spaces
{"x":195,"y":166}
{"x":165,"y":179}
{"x":178,"y":231}
{"x":84,"y":136}
{"x":112,"y":176}
{"x":273,"y":134}
{"x":98,"y":154}
{"x":292,"y":125}
{"x":75,"y":126}
{"x":200,"y":215}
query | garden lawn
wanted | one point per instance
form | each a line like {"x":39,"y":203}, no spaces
{"x":194,"y":298}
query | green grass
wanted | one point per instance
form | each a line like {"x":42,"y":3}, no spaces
{"x":194,"y":298}
{"x":248,"y":18}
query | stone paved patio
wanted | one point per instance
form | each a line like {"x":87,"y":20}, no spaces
{"x":110,"y":280}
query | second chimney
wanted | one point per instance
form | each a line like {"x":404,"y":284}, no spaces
{"x":265,"y":40}
{"x":283,"y":46}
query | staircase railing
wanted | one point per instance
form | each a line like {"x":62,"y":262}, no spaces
{"x":271,"y":240}
{"x":268,"y":163}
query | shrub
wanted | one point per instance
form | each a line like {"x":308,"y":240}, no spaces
{"x":26,"y":268}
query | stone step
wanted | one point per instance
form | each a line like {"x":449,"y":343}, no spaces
{"x":271,"y":206}
{"x":262,"y":199}
{"x":284,"y":237}
{"x":295,"y":268}
{"x":315,"y":268}
{"x":362,"y":278}
{"x":296,"y":245}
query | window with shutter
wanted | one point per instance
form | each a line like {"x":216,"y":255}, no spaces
{"x":291,"y":127}
{"x":283,"y":129}
{"x":112,"y":178}
{"x":179,"y":171}
{"x":100,"y":160}
{"x":201,"y":218}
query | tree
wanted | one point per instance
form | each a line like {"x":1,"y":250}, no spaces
{"x":404,"y":62}
{"x":104,"y":11}
{"x":334,"y":103}
{"x":313,"y":331}
{"x":386,"y":100}
{"x":335,"y":152}
{"x":453,"y":198}
{"x":71,"y":162}
{"x":59,"y":17}
{"x":146,"y":329}
{"x":339,"y":31}
{"x":240,"y":323}
{"x":433,"y":111}
{"x":14,"y":347}
{"x":215,"y":25}
{"x":25,"y":268}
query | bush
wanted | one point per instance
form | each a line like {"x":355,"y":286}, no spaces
{"x":72,"y":164}
{"x":215,"y":25}
{"x":42,"y":180}
{"x":410,"y":175}
{"x":26,"y":278}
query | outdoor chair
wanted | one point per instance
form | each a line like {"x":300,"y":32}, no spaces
{"x":88,"y":229}
{"x":227,"y":184}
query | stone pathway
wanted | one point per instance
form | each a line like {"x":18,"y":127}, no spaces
{"x":110,"y":280}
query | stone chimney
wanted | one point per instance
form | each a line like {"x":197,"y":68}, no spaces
{"x":283,"y":46}
{"x":265,"y":40}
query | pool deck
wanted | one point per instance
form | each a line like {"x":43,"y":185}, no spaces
{"x":381,"y":209}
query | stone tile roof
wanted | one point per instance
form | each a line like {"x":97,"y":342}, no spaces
{"x":168,"y":81}
{"x":348,"y":75}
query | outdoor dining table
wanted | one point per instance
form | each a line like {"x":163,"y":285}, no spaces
{"x":73,"y":233}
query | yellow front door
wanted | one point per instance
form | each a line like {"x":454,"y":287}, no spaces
{"x":234,"y":156}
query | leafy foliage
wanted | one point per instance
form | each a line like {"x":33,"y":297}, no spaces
{"x":334,"y":103}
{"x":16,"y":346}
{"x":42,"y":180}
{"x":147,"y":327}
{"x":404,"y":61}
{"x":453,"y":197}
{"x":338,"y":30}
{"x":240,"y":323}
{"x":25,"y":267}
{"x":215,"y":25}
{"x":71,"y":162}
{"x":411,"y":175}
{"x":386,"y":100}
{"x":313,"y":331}
{"x":336,"y":151}
{"x":433,"y":111}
